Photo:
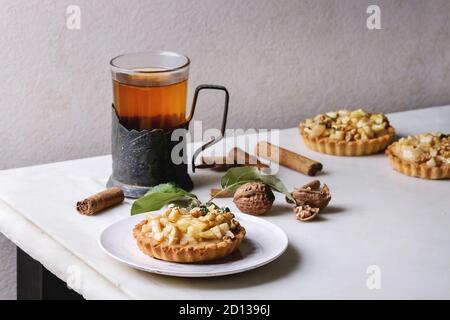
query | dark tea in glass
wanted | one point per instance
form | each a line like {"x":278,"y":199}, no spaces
{"x":150,"y":98}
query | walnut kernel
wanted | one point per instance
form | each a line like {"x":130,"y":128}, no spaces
{"x":306,"y":213}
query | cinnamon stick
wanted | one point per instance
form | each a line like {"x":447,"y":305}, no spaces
{"x":216,"y":163}
{"x":236,"y":158}
{"x":214,"y":160}
{"x":100,"y":201}
{"x":241,"y":157}
{"x":219,"y":193}
{"x":288,"y":158}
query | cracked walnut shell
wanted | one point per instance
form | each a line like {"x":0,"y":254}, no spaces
{"x":306,"y":213}
{"x":313,"y":195}
{"x":254,"y":198}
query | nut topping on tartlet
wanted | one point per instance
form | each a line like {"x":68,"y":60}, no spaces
{"x":347,"y":125}
{"x":183,"y":226}
{"x":347,"y":133}
{"x":433,"y":150}
{"x":183,"y":235}
{"x":425,"y":155}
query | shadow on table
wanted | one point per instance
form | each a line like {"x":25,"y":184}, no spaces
{"x":332,"y":209}
{"x":288,"y":262}
{"x":278,"y":209}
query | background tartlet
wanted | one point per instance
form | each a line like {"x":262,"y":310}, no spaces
{"x":347,"y":133}
{"x":425,"y":156}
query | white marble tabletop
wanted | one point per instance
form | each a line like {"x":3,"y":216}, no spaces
{"x":377,"y":217}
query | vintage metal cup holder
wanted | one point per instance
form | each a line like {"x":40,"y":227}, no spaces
{"x":142,"y":159}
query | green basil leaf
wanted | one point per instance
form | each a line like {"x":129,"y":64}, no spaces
{"x":166,"y":188}
{"x":154,"y":201}
{"x":187,"y":202}
{"x":240,"y":174}
{"x":276,"y":185}
{"x":162,"y":194}
{"x":235,"y":177}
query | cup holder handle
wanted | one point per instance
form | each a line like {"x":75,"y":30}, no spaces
{"x":224,"y":118}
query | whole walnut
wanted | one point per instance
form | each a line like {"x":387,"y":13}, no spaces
{"x":254,"y":198}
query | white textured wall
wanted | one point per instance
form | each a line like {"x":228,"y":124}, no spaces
{"x":281,"y":60}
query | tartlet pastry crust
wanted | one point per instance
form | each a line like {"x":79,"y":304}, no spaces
{"x":418,"y":165}
{"x":204,"y":251}
{"x":417,"y":170}
{"x":348,"y":148}
{"x":347,"y":133}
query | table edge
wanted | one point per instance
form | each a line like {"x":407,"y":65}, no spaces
{"x":13,"y":224}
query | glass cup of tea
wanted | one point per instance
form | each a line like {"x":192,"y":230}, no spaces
{"x":150,"y":96}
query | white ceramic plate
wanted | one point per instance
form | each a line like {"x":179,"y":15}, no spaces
{"x":263,"y":243}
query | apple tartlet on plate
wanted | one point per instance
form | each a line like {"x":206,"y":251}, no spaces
{"x":189,"y":235}
{"x":347,"y":133}
{"x":425,"y":156}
